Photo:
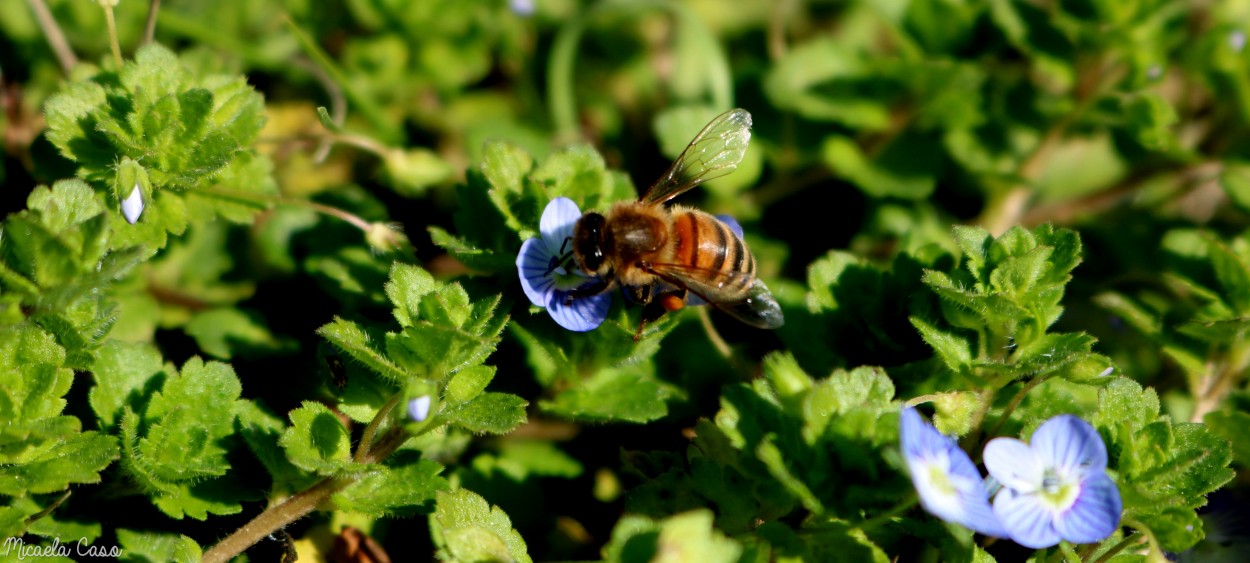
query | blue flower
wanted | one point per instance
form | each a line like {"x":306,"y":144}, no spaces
{"x":949,"y":485}
{"x":1057,"y":488}
{"x":132,"y":206}
{"x":419,"y":408}
{"x":548,"y":271}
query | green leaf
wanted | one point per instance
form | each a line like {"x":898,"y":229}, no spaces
{"x":505,"y":167}
{"x":184,"y":129}
{"x":493,"y":413}
{"x":466,"y":529}
{"x":834,"y":540}
{"x":76,"y":459}
{"x":122,"y":372}
{"x":157,"y":546}
{"x":327,"y":121}
{"x":225,"y":332}
{"x":768,"y":452}
{"x":262,"y":430}
{"x":406,"y":488}
{"x":468,"y":383}
{"x":689,"y":536}
{"x":434,"y":352}
{"x":614,"y":394}
{"x":1150,"y":118}
{"x":316,"y":441}
{"x":407,"y":287}
{"x":816,"y":80}
{"x":904,"y":172}
{"x":955,"y":351}
{"x":524,"y":458}
{"x":413,"y":171}
{"x":352,"y":340}
{"x":186,"y":420}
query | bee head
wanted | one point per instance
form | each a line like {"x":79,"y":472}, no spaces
{"x":589,"y":241}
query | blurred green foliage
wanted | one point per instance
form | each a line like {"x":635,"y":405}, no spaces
{"x":1003,"y":210}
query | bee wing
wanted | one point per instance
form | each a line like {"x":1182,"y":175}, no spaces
{"x":714,"y":152}
{"x":758,"y":309}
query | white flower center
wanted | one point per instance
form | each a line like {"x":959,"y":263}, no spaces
{"x":1057,"y":491}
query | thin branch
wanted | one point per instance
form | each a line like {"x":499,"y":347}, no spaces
{"x":56,"y":39}
{"x":273,"y":518}
{"x":114,"y":42}
{"x":1216,"y":389}
{"x":1008,"y":211}
{"x":149,"y":27}
{"x":366,"y":439}
{"x":717,"y":341}
{"x":338,"y":104}
{"x":1015,"y":402}
{"x":1131,"y":539}
{"x":1065,"y":212}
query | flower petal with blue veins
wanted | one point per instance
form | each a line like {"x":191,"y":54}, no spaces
{"x":557,"y":222}
{"x":533,"y":264}
{"x":1096,"y":513}
{"x":945,"y":478}
{"x":581,"y":314}
{"x":1014,"y":464}
{"x":1026,"y":520}
{"x":1070,"y":445}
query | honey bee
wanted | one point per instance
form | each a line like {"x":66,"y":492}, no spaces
{"x":660,"y":255}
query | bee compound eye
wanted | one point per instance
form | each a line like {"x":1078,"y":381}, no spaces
{"x":588,"y":241}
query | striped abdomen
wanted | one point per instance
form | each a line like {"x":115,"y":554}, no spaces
{"x":715,"y":255}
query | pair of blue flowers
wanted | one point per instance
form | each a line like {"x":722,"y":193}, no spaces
{"x":1054,"y":488}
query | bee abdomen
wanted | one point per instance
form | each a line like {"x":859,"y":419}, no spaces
{"x":711,"y":248}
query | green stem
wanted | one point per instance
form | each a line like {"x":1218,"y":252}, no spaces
{"x":986,"y":398}
{"x":112,"y":25}
{"x":899,"y":509}
{"x":1015,"y":402}
{"x":562,"y":98}
{"x":149,"y":27}
{"x":299,"y":505}
{"x":366,"y":438}
{"x":1212,"y":394}
{"x":46,"y":511}
{"x":1069,"y":554}
{"x":56,"y":38}
{"x":173,"y":23}
{"x":354,"y":220}
{"x":1128,"y":540}
{"x":1008,"y":209}
{"x":273,"y":518}
{"x":387,"y":127}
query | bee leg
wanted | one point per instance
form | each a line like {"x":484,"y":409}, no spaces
{"x":599,"y":286}
{"x":668,"y":301}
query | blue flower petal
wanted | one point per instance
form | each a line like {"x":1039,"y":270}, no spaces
{"x":1096,"y":513}
{"x":916,"y":436}
{"x":1014,"y":464}
{"x":927,"y":451}
{"x":1070,"y":445}
{"x":978,"y":515}
{"x":557,"y":222}
{"x":532,"y":264}
{"x":132,"y":206}
{"x":419,"y":408}
{"x":581,"y":314}
{"x":731,"y":223}
{"x":1027,"y":522}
